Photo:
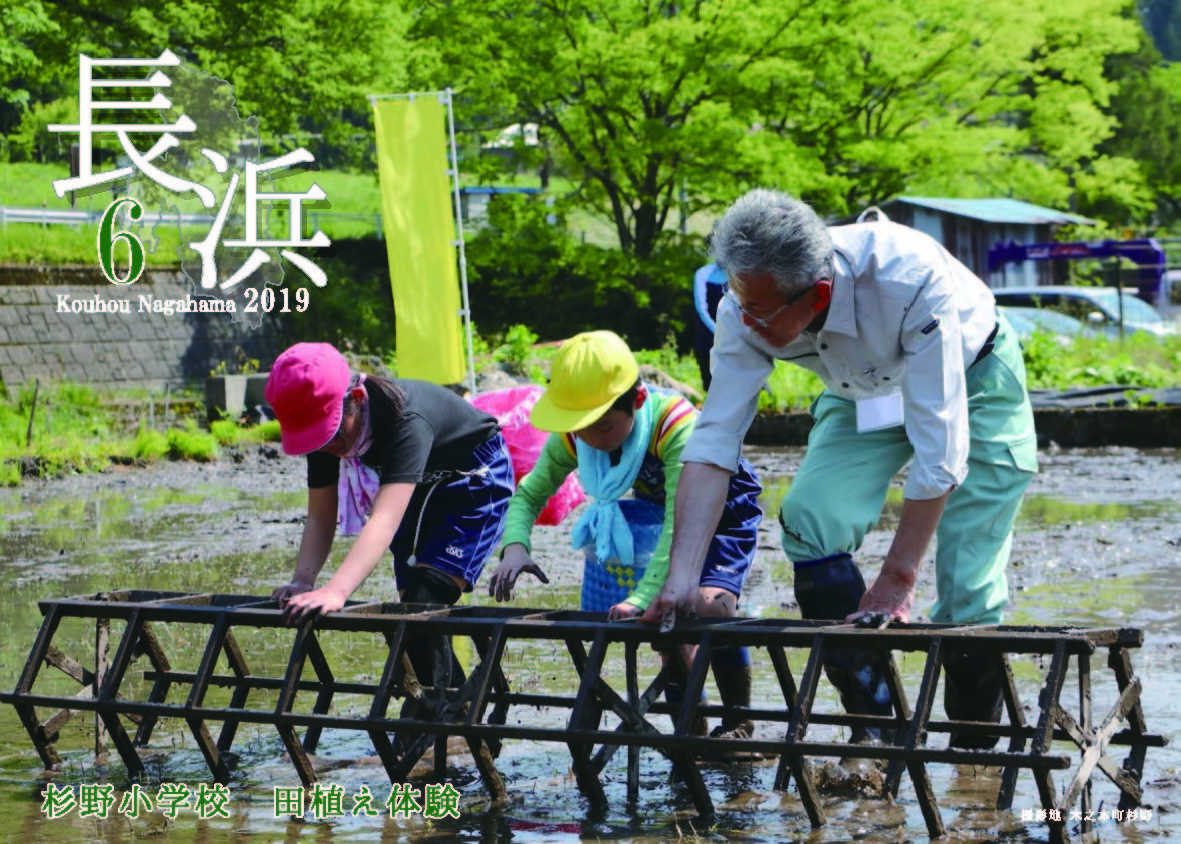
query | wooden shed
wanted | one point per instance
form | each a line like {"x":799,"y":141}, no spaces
{"x":968,"y":227}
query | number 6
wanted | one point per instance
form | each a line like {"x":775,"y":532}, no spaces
{"x":106,"y":243}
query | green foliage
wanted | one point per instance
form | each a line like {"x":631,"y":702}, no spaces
{"x":241,"y":365}
{"x":652,"y":109}
{"x":481,"y":349}
{"x":225,"y":431}
{"x":671,"y":362}
{"x":1148,"y":108}
{"x":1045,"y":363}
{"x":229,"y":433}
{"x":32,"y":140}
{"x":789,"y":388}
{"x":190,"y":443}
{"x":29,"y":185}
{"x":523,"y":269}
{"x":516,"y":348}
{"x":355,"y":311}
{"x":62,"y":410}
{"x":1136,"y":361}
{"x":267,"y":432}
{"x":22,"y":24}
{"x":72,"y":431}
{"x":480,"y":344}
{"x":149,"y":444}
{"x":287,"y":61}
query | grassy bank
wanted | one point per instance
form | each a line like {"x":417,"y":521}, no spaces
{"x":30,"y":186}
{"x":353,"y":201}
{"x":52,"y":430}
{"x":81,"y":429}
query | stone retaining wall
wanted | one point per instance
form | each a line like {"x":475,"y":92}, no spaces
{"x":40,"y":340}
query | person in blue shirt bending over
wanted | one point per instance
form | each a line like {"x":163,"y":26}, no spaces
{"x":709,"y":285}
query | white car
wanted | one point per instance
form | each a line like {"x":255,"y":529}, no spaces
{"x":1026,"y":321}
{"x":1098,"y":307}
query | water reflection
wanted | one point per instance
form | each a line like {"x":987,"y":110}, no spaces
{"x":157,"y":539}
{"x":1035,"y":509}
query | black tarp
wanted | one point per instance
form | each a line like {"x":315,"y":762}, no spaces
{"x":1109,"y":395}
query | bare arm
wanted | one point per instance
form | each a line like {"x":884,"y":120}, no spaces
{"x":388,"y":509}
{"x":319,"y":530}
{"x":893,"y":591}
{"x":701,"y":497}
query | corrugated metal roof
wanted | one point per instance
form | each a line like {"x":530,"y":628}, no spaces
{"x":993,"y":210}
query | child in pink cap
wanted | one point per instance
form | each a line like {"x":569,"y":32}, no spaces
{"x":411,"y":467}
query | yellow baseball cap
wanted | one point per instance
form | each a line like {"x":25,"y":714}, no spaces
{"x":589,"y":372}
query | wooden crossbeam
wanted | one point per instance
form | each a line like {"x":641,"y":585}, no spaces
{"x":1120,"y":662}
{"x":477,"y":709}
{"x":915,"y":733}
{"x":794,"y":764}
{"x":1093,"y":742}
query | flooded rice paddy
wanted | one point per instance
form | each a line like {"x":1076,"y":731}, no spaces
{"x":1099,"y":544}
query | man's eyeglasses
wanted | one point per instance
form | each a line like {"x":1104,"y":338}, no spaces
{"x":763,"y":321}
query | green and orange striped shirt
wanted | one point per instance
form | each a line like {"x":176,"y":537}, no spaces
{"x":656,"y":481}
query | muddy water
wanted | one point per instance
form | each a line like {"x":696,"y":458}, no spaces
{"x":1099,"y":544}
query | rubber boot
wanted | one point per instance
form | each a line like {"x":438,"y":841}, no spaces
{"x":830,"y":589}
{"x":674,"y":693}
{"x":733,"y":681}
{"x":733,"y":684}
{"x":431,"y":656}
{"x":972,"y":692}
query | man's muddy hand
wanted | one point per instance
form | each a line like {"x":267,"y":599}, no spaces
{"x":889,"y":599}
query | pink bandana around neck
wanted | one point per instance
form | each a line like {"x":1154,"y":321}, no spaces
{"x":357,"y":488}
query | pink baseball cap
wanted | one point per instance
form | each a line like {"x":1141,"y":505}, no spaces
{"x":306,"y":389}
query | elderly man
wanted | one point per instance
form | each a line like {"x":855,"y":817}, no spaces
{"x":918,"y":366}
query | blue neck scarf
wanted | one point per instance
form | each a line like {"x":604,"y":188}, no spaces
{"x":603,"y":522}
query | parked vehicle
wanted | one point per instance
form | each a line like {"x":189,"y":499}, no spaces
{"x":1098,"y":307}
{"x":1026,"y":321}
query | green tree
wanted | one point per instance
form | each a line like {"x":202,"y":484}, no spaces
{"x":525,"y":269}
{"x":843,"y":102}
{"x":1147,"y":107}
{"x":948,"y":98}
{"x":301,"y":66}
{"x":23,"y":24}
{"x":32,"y":140}
{"x":25,"y":77}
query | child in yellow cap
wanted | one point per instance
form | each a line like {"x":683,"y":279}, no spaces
{"x":625,"y":437}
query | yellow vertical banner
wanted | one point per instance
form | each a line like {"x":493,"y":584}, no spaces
{"x":419,"y":223}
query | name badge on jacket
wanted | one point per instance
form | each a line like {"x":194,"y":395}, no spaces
{"x":879,"y":412}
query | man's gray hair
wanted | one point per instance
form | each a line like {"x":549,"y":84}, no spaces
{"x":767,"y":231}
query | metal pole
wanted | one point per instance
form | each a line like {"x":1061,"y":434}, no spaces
{"x":32,"y":412}
{"x":1119,"y":293}
{"x":467,"y":311}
